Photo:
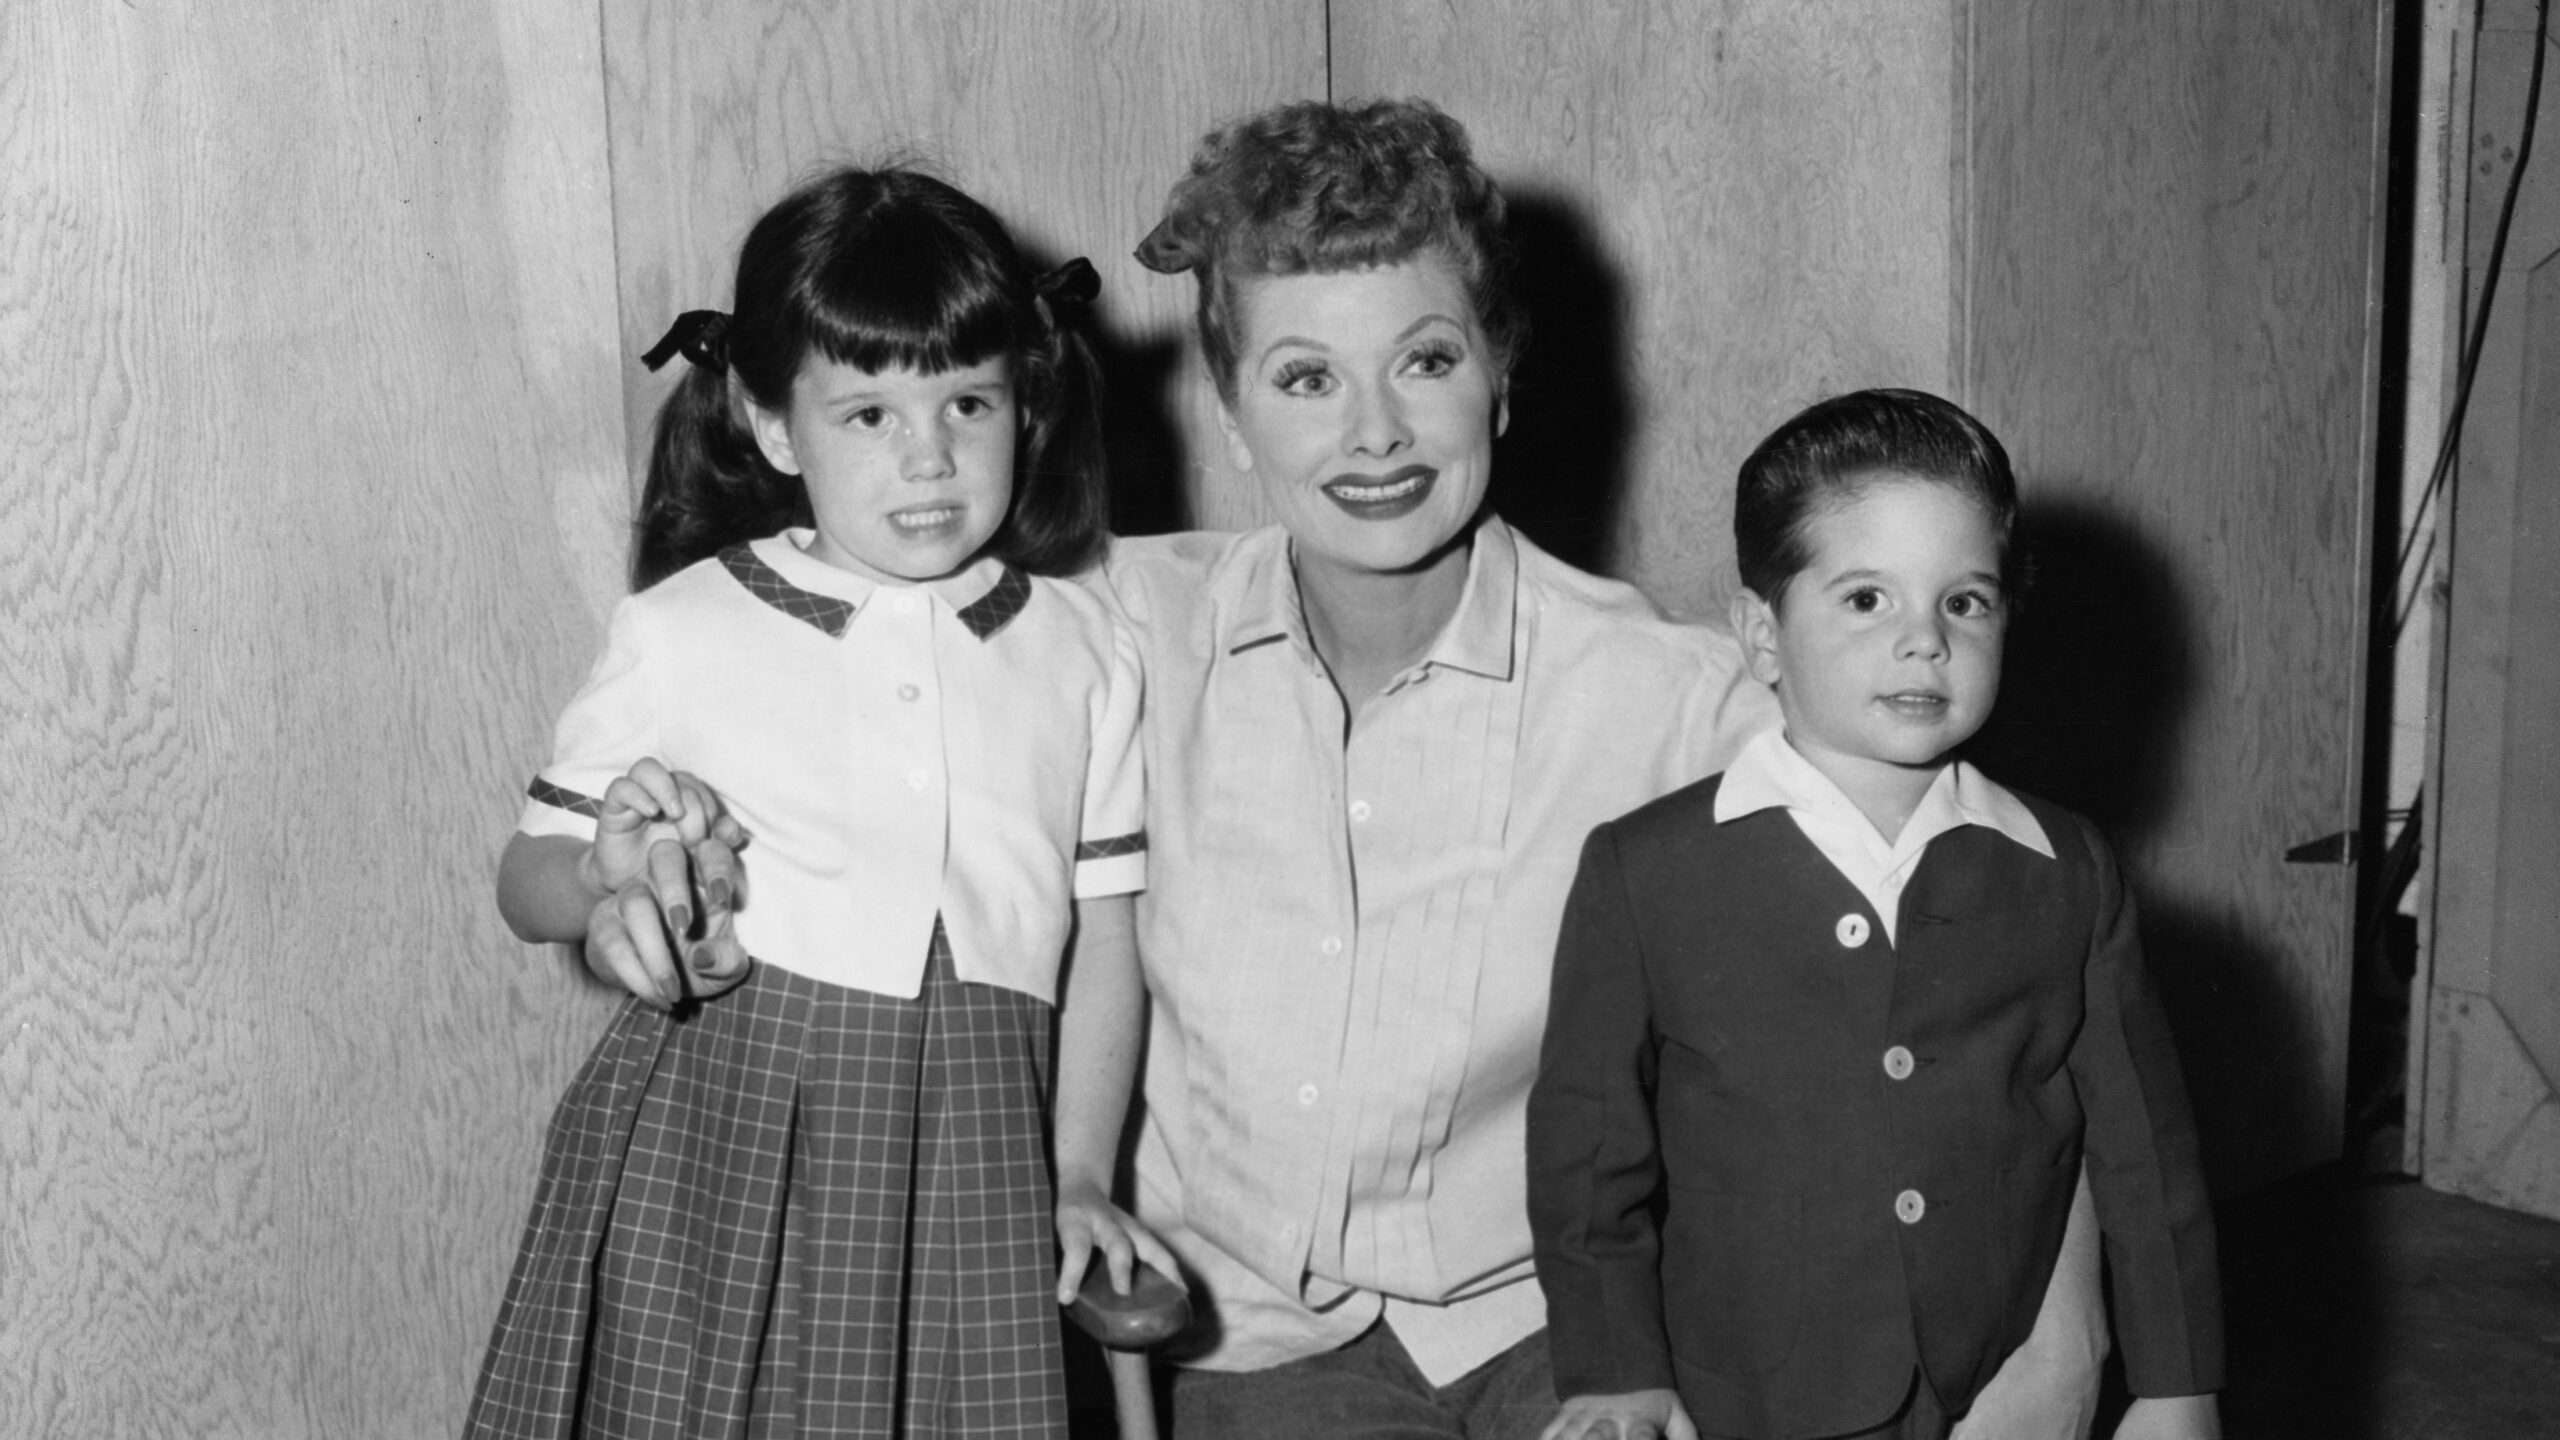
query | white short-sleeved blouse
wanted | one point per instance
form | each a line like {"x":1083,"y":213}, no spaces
{"x":965,"y":748}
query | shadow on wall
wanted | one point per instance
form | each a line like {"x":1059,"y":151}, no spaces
{"x":1142,"y":379}
{"x":2100,"y":685}
{"x":1560,"y":472}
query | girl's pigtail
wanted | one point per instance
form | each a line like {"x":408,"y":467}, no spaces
{"x":709,"y":486}
{"x":1062,"y":505}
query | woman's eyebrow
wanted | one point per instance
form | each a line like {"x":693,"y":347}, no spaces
{"x":1418,"y":326}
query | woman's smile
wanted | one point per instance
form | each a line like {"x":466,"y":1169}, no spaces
{"x":1382,"y":497}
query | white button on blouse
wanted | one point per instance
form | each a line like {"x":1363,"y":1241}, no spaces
{"x":1908,"y":1207}
{"x":1852,"y":930}
{"x":1897,"y":1063}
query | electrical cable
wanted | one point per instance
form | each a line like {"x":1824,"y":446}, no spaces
{"x":2436,"y":476}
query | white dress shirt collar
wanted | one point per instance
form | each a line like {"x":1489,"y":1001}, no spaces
{"x":1770,"y":773}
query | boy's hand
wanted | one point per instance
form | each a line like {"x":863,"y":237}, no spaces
{"x":2172,"y":1417}
{"x":1088,"y":1222}
{"x":1636,"y":1415}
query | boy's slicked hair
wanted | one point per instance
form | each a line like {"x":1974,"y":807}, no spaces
{"x":1314,"y":187}
{"x":1833,"y":449}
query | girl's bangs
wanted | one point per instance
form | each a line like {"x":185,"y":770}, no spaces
{"x":922,"y":308}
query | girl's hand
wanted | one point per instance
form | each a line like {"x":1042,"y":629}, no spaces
{"x":651,"y":816}
{"x":2172,"y":1417}
{"x":1636,"y":1415}
{"x":1089,"y":1222}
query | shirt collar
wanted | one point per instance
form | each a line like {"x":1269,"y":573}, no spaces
{"x":1478,"y":638}
{"x":1772,"y":774}
{"x":984,"y":594}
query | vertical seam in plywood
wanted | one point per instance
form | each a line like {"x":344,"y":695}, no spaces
{"x":632,"y":465}
{"x":1328,"y":52}
{"x":1960,"y":208}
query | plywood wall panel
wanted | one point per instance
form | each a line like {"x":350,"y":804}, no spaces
{"x":2170,"y":282}
{"x":309,"y":322}
{"x":1732,"y":209}
{"x":1070,"y":119}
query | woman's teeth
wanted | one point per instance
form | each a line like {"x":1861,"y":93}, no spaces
{"x":1391,"y":490}
{"x":925,"y":519}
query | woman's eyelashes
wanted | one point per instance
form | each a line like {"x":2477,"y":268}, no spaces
{"x":1305,"y":377}
{"x":1313,"y":378}
{"x":1432,"y":359}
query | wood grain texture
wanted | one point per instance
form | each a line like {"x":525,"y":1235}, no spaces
{"x":2492,"y":1078}
{"x":309,"y":318}
{"x":1729,"y":210}
{"x":2171,"y":264}
{"x":1069,"y":118}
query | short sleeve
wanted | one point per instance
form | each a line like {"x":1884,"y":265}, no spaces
{"x":1111,"y":844}
{"x":609,"y":725}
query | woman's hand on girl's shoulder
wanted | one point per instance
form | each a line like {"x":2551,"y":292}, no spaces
{"x":1635,"y":1415}
{"x":665,"y":855}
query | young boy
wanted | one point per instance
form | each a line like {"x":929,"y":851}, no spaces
{"x":1832,"y":1032}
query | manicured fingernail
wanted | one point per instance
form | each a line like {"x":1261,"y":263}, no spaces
{"x":716,"y":894}
{"x":705,"y":960}
{"x":681,"y":917}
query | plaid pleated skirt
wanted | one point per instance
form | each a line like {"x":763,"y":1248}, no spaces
{"x":793,"y":1210}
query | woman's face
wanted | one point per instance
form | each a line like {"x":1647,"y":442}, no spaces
{"x":1367,"y":402}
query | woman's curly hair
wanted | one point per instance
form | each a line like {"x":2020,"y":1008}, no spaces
{"x":1318,"y":187}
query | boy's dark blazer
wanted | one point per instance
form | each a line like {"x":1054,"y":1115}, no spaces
{"x":1723,"y":1153}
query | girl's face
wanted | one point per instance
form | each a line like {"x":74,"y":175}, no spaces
{"x":1885,"y":649}
{"x":1367,"y":401}
{"x":909,"y":474}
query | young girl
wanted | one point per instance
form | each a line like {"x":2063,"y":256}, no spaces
{"x":1831,"y":1032}
{"x":808,"y":1192}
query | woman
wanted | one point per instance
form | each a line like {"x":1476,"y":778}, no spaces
{"x":1377,"y":734}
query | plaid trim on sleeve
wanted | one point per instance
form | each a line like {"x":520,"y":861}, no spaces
{"x":1131,"y":844}
{"x":543,"y":792}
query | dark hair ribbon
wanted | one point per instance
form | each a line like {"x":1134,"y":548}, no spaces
{"x":1071,"y":286}
{"x":701,"y":336}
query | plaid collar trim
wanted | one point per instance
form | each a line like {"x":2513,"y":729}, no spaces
{"x":994,"y":608}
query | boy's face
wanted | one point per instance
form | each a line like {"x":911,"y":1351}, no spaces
{"x":1885,"y":650}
